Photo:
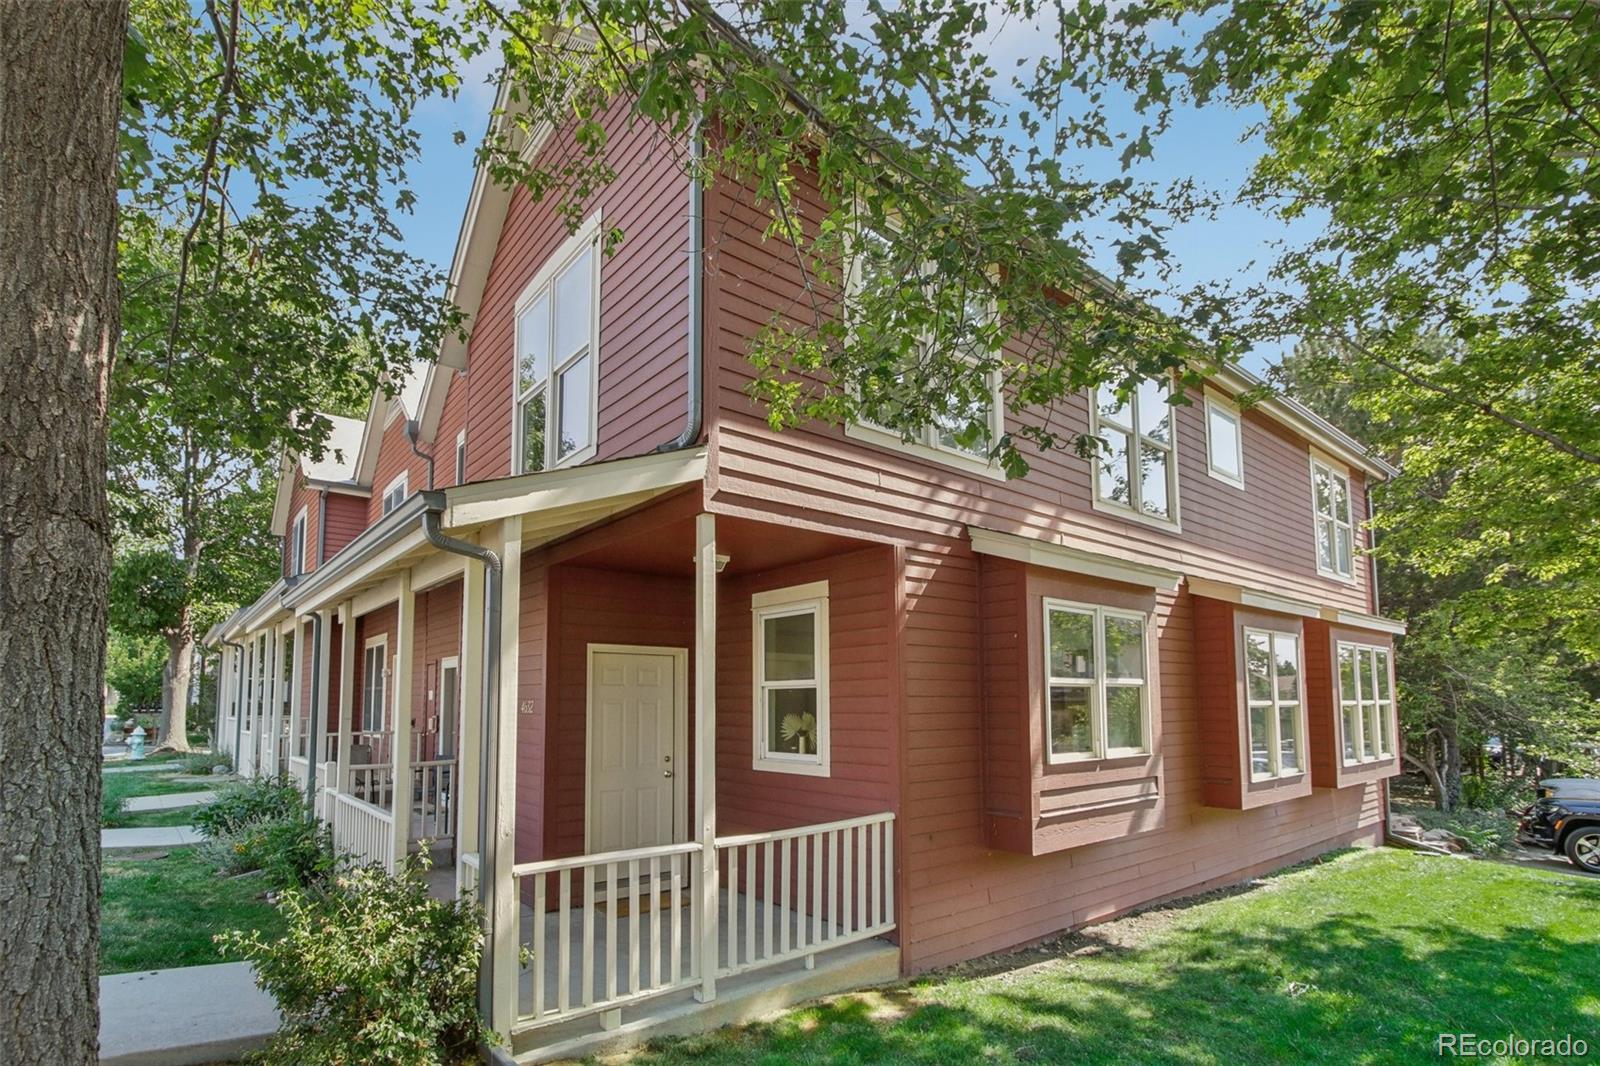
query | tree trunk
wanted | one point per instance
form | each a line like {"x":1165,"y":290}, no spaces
{"x":175,"y":693}
{"x":60,"y":98}
{"x":1450,"y":771}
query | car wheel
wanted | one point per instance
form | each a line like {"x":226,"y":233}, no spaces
{"x":1583,"y":848}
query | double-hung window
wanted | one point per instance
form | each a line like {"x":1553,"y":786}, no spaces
{"x":1330,"y":491}
{"x":1272,"y":691}
{"x":791,"y":679}
{"x":1224,"y":442}
{"x":871,"y":262}
{"x":1366,"y":702}
{"x":374,"y":685}
{"x":558,"y":357}
{"x":395,"y":494}
{"x":297,"y":545}
{"x":1098,"y":699}
{"x":1136,"y":469}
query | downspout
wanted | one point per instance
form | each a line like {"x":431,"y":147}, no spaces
{"x":413,"y":432}
{"x":1372,"y":558}
{"x":312,"y":719}
{"x":322,"y":527}
{"x":694,"y":417}
{"x":489,"y":712}
{"x":238,"y":698}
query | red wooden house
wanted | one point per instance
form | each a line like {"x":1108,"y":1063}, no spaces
{"x":715,"y":718}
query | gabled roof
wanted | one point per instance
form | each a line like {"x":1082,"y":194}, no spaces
{"x":336,"y":467}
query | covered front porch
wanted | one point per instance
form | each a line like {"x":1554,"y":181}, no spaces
{"x":622,"y":639}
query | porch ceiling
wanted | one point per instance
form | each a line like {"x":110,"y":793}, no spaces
{"x":751,"y":547}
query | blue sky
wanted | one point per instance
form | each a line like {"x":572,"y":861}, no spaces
{"x":1202,"y":144}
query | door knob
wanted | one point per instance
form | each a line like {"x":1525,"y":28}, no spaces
{"x":666,"y":773}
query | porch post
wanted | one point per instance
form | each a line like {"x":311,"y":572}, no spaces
{"x":496,"y":865}
{"x":296,"y":684}
{"x":320,"y":699}
{"x":400,"y":739}
{"x":705,"y":743}
{"x":266,"y":740}
{"x":469,"y":774}
{"x":347,"y":693}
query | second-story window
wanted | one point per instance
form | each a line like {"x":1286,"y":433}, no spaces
{"x":296,"y":547}
{"x":461,"y":458}
{"x":557,"y":354}
{"x":1330,"y":492}
{"x":1136,"y":468}
{"x":395,"y":494}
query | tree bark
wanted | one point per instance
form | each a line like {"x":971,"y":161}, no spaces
{"x":1450,"y":771}
{"x":60,"y":100}
{"x":175,"y":693}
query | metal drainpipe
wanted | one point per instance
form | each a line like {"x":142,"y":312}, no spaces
{"x":311,"y":723}
{"x":238,"y":698}
{"x":489,"y":713}
{"x":322,"y":527}
{"x":1372,"y":536}
{"x":413,"y":434}
{"x":694,"y":416}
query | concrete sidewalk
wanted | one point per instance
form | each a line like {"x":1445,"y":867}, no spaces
{"x":140,"y":767}
{"x":170,"y":802}
{"x":174,"y":836}
{"x":181,"y":1017}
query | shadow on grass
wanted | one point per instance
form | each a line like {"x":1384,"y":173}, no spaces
{"x":1328,"y":984}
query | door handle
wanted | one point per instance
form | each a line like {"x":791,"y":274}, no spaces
{"x":666,"y":773}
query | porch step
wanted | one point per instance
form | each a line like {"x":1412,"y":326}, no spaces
{"x":740,"y":999}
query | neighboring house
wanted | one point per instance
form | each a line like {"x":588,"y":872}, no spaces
{"x":769,"y":714}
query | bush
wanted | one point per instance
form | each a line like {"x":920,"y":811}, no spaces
{"x":1496,"y":793}
{"x":246,"y":804}
{"x":202,"y":762}
{"x":294,"y":852}
{"x":370,"y":970}
{"x":112,"y":806}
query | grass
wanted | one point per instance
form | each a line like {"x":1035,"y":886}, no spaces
{"x":156,"y":913}
{"x":152,"y":819}
{"x":122,"y":787}
{"x":1363,"y":958}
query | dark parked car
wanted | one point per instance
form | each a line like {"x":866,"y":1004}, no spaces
{"x":1567,"y":825}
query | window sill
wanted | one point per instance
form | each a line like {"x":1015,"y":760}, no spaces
{"x":1226,"y":479}
{"x":967,"y":464}
{"x":1334,"y":575}
{"x":783,"y":766}
{"x":1115,"y":755}
{"x":1128,"y":514}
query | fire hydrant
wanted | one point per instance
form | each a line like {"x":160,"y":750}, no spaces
{"x":136,"y":743}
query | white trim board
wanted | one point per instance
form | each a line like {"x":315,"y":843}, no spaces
{"x":1056,"y":556}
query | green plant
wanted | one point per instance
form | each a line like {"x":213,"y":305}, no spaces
{"x":247,"y":803}
{"x":1496,"y":793}
{"x":201,"y":762}
{"x":112,"y":805}
{"x":371,"y":970}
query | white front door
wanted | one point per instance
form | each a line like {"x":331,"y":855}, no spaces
{"x":635,"y":746}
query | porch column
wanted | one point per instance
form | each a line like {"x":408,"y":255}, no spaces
{"x":269,"y":702}
{"x":319,"y":700}
{"x":469,"y":774}
{"x":347,"y":693}
{"x":400,"y":741}
{"x":296,"y":685}
{"x":705,"y":743}
{"x":496,"y":864}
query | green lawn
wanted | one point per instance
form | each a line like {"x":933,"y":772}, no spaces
{"x":1364,"y":958}
{"x":156,"y":783}
{"x":156,"y":913}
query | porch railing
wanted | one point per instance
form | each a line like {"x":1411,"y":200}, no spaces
{"x":298,"y":768}
{"x":467,"y":875}
{"x":793,"y":892}
{"x":372,"y":783}
{"x":363,"y":832}
{"x":607,"y":930}
{"x":433,"y":813}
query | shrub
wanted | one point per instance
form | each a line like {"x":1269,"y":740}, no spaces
{"x":247,"y":803}
{"x":370,"y":970}
{"x":1496,"y":793}
{"x":112,"y":806}
{"x":202,"y":762}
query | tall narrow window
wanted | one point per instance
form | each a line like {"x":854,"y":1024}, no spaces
{"x":1095,"y":667}
{"x":395,"y":494}
{"x":557,"y":342}
{"x":461,"y":458}
{"x":1224,"y":442}
{"x":791,"y":679}
{"x":296,"y":546}
{"x":1335,"y":533}
{"x":1366,"y":702}
{"x":1135,"y":467}
{"x":1272,"y":691}
{"x":374,"y":685}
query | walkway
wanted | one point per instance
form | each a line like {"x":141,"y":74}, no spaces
{"x":171,"y":802}
{"x":172,"y":836}
{"x":196,"y":1014}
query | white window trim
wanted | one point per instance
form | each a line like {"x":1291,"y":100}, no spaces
{"x":927,"y":445}
{"x":1318,"y":463}
{"x":1275,"y":717}
{"x":1384,"y":709}
{"x":1216,"y":405}
{"x":587,"y":234}
{"x":461,"y":457}
{"x":1133,"y":511}
{"x":1097,"y":686}
{"x":366,"y":679}
{"x":403,"y":485}
{"x":297,"y":533}
{"x":797,"y":599}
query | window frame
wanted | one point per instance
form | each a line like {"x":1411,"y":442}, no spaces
{"x":379,"y":642}
{"x":810,"y":598}
{"x":1382,"y":709}
{"x":1275,"y":706}
{"x":461,"y":457}
{"x":543,"y":284}
{"x":402,"y":485}
{"x":1217,"y":406}
{"x":1098,"y":751}
{"x":1134,"y":510}
{"x":926,"y":444}
{"x":296,"y":546}
{"x":1348,"y":524}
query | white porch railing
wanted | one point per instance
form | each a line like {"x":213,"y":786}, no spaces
{"x":373,"y":783}
{"x":793,"y":892}
{"x":363,"y":832}
{"x":433,"y":809}
{"x":467,"y":874}
{"x":607,"y":930}
{"x":298,"y":768}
